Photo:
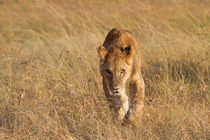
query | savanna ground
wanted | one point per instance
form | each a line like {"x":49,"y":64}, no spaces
{"x":50,"y":86}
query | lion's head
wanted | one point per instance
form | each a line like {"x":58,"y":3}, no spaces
{"x":116,"y":67}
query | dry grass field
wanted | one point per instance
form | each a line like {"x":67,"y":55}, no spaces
{"x":50,"y":85}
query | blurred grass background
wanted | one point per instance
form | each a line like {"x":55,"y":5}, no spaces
{"x":50,"y":86}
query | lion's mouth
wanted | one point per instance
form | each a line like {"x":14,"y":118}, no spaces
{"x":118,"y":91}
{"x":115,"y":90}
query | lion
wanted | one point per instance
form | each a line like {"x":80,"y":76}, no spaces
{"x":120,"y":62}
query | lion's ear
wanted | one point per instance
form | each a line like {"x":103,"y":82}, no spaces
{"x":102,"y":52}
{"x":128,"y":51}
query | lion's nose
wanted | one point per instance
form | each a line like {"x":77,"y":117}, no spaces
{"x":116,"y":90}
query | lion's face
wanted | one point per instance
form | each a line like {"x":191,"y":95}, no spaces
{"x":116,"y":69}
{"x":116,"y":72}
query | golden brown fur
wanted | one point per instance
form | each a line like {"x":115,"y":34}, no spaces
{"x":120,"y":62}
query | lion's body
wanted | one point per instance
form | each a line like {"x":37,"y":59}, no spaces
{"x":120,"y":61}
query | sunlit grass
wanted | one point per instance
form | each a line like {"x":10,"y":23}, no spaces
{"x":50,"y":86}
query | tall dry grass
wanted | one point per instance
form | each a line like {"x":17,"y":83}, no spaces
{"x":50,"y":86}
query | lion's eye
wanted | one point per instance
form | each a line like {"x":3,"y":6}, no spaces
{"x":108,"y":71}
{"x":122,"y":72}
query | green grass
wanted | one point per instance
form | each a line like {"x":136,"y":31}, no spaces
{"x":50,"y":85}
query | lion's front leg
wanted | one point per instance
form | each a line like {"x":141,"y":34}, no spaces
{"x":119,"y":106}
{"x":118,"y":103}
{"x":137,"y":88}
